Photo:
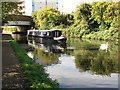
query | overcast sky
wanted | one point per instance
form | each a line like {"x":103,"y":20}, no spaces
{"x":67,"y":6}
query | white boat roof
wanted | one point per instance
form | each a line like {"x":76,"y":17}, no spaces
{"x":44,"y":30}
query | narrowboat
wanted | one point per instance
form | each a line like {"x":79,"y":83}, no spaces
{"x":55,"y":35}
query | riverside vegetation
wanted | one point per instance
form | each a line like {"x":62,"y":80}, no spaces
{"x":35,"y":73}
{"x":98,"y":20}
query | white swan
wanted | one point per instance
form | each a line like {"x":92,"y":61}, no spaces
{"x":104,"y":46}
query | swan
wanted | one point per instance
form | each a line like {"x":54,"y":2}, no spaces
{"x":104,"y":46}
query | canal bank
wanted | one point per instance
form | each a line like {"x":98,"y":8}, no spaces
{"x":35,"y":74}
{"x":79,"y":61}
{"x":12,"y":76}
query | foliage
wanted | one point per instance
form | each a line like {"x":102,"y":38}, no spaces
{"x":10,"y":29}
{"x":48,"y":17}
{"x":110,"y":34}
{"x":111,"y":11}
{"x":66,"y":19}
{"x":98,"y":8}
{"x":11,"y":8}
{"x":34,"y":19}
{"x":83,"y":12}
{"x":96,"y":20}
{"x":35,"y":73}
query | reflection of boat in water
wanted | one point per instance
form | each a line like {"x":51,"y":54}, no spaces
{"x":55,"y":35}
{"x":47,"y":46}
{"x":43,"y":58}
{"x":45,"y":53}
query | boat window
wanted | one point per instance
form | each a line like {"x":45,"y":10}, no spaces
{"x":44,"y":33}
{"x":39,"y":33}
{"x":47,"y":33}
{"x":57,"y":33}
{"x":36,"y":33}
{"x":30,"y":33}
{"x":50,"y":33}
{"x":53,"y":34}
{"x":60,"y":33}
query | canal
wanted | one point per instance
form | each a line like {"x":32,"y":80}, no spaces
{"x":76,"y":63}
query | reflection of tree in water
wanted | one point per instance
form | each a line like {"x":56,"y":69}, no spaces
{"x":47,"y":57}
{"x":98,"y":62}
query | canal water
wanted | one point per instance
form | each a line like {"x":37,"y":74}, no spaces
{"x":77,"y":63}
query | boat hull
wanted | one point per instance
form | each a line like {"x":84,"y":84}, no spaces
{"x":45,"y":39}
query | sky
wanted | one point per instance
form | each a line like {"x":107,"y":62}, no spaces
{"x":64,"y":6}
{"x":67,"y":6}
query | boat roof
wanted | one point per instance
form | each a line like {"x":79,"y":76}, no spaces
{"x":45,"y":30}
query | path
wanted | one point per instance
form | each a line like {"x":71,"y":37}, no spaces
{"x":12,"y":76}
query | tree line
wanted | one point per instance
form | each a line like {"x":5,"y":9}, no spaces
{"x":98,"y":20}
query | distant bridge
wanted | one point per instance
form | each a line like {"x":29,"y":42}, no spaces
{"x":22,"y":22}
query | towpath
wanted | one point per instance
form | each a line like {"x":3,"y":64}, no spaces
{"x":12,"y":76}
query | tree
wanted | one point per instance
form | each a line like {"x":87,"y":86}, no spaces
{"x":9,"y":8}
{"x":83,"y":12}
{"x":34,"y":19}
{"x":48,"y":17}
{"x":67,"y":19}
{"x":98,"y":8}
{"x":112,"y":11}
{"x":82,"y":16}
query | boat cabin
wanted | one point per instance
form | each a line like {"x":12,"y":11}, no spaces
{"x":44,"y":33}
{"x":49,"y":34}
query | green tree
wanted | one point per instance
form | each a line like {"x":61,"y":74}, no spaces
{"x":98,"y":8}
{"x":83,"y":12}
{"x":82,"y":17}
{"x":34,"y":19}
{"x":112,"y":11}
{"x":48,"y":17}
{"x":67,"y":19}
{"x":9,"y":8}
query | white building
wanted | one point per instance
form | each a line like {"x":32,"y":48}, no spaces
{"x":36,"y":5}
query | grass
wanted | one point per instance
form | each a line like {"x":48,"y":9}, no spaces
{"x":35,"y":73}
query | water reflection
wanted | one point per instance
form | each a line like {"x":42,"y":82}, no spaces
{"x":19,"y":38}
{"x":89,"y":57}
{"x":78,"y":63}
{"x":43,"y":58}
{"x":98,"y":62}
{"x":45,"y":53}
{"x":47,"y":46}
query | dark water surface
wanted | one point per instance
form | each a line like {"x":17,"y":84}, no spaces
{"x":78,"y":63}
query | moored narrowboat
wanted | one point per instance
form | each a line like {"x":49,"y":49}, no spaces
{"x":49,"y":34}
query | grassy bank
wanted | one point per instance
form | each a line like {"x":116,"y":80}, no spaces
{"x":35,"y":73}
